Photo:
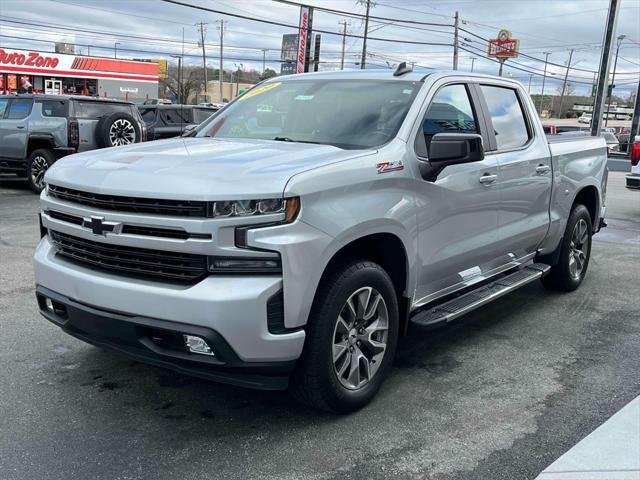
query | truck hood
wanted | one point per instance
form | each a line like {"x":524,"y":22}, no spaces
{"x":194,"y":168}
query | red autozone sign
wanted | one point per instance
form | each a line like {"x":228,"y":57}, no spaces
{"x":28,"y":59}
{"x":302,"y":38}
{"x":504,"y":46}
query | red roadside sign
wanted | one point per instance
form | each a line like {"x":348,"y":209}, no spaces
{"x":504,"y":46}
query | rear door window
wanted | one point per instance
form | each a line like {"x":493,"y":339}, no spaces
{"x":507,"y":116}
{"x":96,"y":110}
{"x":19,"y":108}
{"x":54,"y":108}
{"x":176,"y":116}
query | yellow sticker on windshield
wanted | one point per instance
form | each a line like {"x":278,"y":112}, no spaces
{"x":259,"y":90}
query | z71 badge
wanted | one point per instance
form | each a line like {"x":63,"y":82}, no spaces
{"x":386,"y":167}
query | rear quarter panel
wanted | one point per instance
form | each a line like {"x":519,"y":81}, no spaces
{"x":577,"y":163}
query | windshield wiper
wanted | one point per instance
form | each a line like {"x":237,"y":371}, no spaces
{"x":288,"y":139}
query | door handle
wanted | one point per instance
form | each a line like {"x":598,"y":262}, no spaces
{"x":487,"y":179}
{"x":542,"y":169}
{"x":20,"y":126}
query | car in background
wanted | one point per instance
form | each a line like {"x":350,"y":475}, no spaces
{"x":214,"y":105}
{"x":157,"y":101}
{"x":633,"y":179}
{"x":585,"y":118}
{"x":167,"y":121}
{"x":612,"y":142}
{"x":36,"y":130}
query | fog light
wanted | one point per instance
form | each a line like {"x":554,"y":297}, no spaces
{"x":197,"y":345}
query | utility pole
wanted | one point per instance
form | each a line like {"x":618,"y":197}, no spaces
{"x":204,"y":56}
{"x":613,"y":78}
{"x":473,"y":60}
{"x":344,"y":38}
{"x":264,"y":59}
{"x":221,"y":69}
{"x":115,"y":49}
{"x":564,"y":84}
{"x":544,"y":77}
{"x":605,"y":64}
{"x":364,"y":41}
{"x":530,"y":77}
{"x":455,"y":41}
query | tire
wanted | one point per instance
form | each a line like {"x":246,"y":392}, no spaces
{"x":317,"y":380}
{"x":37,"y":165}
{"x":575,"y":251}
{"x":116,"y":129}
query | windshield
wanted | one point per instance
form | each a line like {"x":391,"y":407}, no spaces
{"x":350,"y":114}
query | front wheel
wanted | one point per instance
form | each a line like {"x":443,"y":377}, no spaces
{"x":37,"y":165}
{"x":351,"y":339}
{"x":575,"y":251}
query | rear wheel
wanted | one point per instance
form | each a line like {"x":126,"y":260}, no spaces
{"x":575,"y":251}
{"x":37,"y":165}
{"x":351,"y":339}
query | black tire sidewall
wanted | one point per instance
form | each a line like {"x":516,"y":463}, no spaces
{"x":565,"y":280}
{"x":104,"y":124}
{"x":338,"y":289}
{"x":40,"y":152}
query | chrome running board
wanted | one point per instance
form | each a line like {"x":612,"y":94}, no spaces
{"x":450,"y":310}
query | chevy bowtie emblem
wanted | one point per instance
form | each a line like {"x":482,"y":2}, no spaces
{"x":98,"y":225}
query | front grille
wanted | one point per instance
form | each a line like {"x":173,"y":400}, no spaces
{"x":140,"y":262}
{"x":180,"y":208}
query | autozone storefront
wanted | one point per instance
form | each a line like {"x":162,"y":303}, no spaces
{"x":55,"y":73}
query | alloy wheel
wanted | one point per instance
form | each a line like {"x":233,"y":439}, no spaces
{"x":577,"y":247}
{"x":39,"y":166}
{"x":122,"y":132}
{"x":360,"y":338}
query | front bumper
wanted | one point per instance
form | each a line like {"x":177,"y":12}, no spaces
{"x":159,"y":342}
{"x":633,"y":181}
{"x":233,"y":306}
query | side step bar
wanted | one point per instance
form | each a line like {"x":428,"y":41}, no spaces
{"x":452,"y":309}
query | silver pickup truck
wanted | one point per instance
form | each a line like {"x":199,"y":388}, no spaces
{"x":302,"y":229}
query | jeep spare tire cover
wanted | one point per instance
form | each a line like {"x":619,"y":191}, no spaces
{"x":117,"y":128}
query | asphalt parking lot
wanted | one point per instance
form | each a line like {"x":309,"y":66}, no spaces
{"x":499,"y":395}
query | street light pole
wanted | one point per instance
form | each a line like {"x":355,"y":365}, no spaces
{"x":544,"y":77}
{"x":530,"y":77}
{"x":115,"y":49}
{"x":613,"y":78}
{"x":473,"y":60}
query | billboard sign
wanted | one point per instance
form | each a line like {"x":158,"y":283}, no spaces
{"x":303,"y":32}
{"x":29,"y":62}
{"x":504,"y":46}
{"x":289,"y":53}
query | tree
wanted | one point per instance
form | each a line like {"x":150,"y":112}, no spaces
{"x":268,"y":73}
{"x":178,"y":88}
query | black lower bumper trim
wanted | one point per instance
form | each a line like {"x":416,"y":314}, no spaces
{"x":159,"y":342}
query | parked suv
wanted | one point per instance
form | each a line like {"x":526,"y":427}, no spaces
{"x":166,"y":121}
{"x":36,"y":130}
{"x":306,"y":226}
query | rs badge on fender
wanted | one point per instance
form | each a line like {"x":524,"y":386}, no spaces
{"x":386,"y":167}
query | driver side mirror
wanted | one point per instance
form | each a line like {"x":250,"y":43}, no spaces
{"x":451,"y":149}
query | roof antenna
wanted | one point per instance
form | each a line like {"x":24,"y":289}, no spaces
{"x":402,"y":69}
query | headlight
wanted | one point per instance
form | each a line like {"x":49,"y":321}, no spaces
{"x":245,"y":208}
{"x":230,"y":265}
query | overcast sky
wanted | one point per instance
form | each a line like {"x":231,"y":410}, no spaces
{"x":553,"y":26}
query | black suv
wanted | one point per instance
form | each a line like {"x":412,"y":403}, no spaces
{"x":36,"y":130}
{"x":166,"y":121}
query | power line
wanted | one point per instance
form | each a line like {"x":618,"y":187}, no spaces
{"x":287,"y":25}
